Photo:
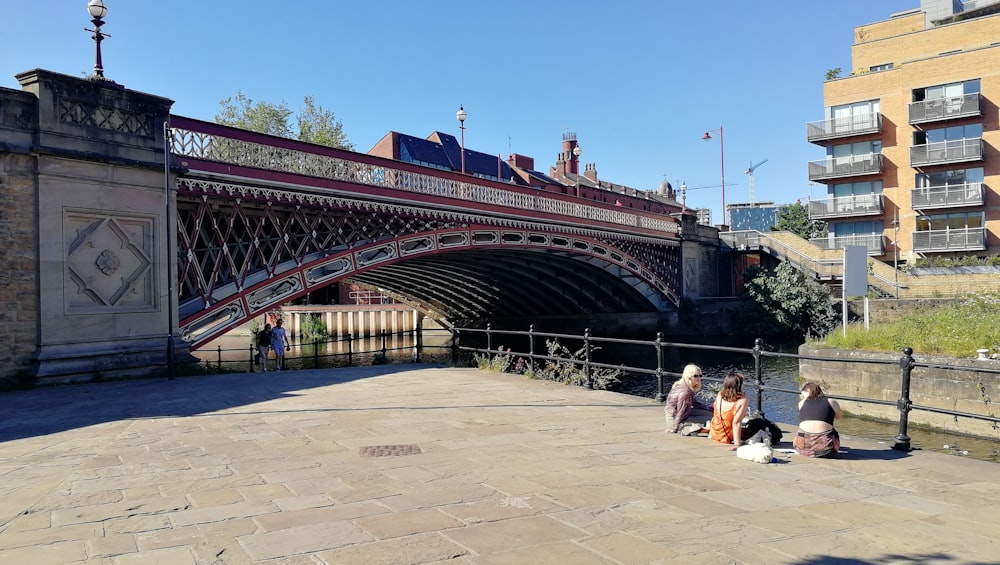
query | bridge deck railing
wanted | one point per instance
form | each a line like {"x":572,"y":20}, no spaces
{"x":214,"y":142}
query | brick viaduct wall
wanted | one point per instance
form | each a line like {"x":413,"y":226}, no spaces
{"x":18,"y":232}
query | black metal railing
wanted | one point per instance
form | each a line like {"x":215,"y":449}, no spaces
{"x":481,"y":342}
{"x":758,"y":381}
{"x":244,"y":359}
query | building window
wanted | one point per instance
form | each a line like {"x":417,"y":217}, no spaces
{"x":856,"y":116}
{"x":954,"y":221}
{"x":848,"y":229}
{"x":954,"y":133}
{"x":955,"y":177}
{"x":946,"y":91}
{"x":855,"y":188}
{"x":848,"y":151}
{"x":880,"y":68}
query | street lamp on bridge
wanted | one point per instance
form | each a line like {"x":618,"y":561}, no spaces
{"x":97,"y":11}
{"x":461,"y":115}
{"x":722,"y":156}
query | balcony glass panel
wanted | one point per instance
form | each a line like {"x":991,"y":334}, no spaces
{"x":852,"y":165}
{"x":952,"y":107}
{"x":858,"y":124}
{"x":874,"y":243}
{"x":853,"y":205}
{"x":958,"y":239}
{"x":943,"y":152}
{"x":948,"y":196}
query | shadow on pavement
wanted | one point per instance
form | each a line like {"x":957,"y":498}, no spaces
{"x":52,"y":409}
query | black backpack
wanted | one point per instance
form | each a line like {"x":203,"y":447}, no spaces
{"x":757,"y":423}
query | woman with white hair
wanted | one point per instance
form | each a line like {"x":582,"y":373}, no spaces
{"x":683,"y":407}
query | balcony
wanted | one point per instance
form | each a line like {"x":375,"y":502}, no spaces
{"x":947,"y":196}
{"x":951,"y":108}
{"x":959,"y":239}
{"x":874,"y":243}
{"x":947,"y":152}
{"x":836,"y":128}
{"x":850,"y":166}
{"x":845,"y":206}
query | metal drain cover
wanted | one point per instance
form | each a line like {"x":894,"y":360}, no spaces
{"x":389,"y":450}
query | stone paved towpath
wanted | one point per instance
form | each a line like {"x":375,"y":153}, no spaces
{"x":405,"y":464}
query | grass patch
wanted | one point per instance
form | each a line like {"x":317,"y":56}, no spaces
{"x":954,"y":330}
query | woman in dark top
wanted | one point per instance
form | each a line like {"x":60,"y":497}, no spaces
{"x":816,"y":436}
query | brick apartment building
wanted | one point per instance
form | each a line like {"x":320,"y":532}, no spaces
{"x":911,"y":134}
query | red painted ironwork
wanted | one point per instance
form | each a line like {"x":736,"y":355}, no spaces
{"x":264,"y":220}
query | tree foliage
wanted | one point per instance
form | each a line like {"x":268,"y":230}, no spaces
{"x":784,"y":304}
{"x":795,"y":218}
{"x":314,"y":123}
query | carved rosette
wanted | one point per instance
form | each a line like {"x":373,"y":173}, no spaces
{"x":108,"y":262}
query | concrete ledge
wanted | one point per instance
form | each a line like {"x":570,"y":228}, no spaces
{"x":846,"y":372}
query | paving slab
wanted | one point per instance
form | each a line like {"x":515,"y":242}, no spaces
{"x":422,"y":464}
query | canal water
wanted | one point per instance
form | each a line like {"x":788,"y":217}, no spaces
{"x":233,"y":352}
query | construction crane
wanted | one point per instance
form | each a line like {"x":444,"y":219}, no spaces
{"x":749,"y":173}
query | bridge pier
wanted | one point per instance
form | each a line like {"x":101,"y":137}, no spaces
{"x":88,"y":159}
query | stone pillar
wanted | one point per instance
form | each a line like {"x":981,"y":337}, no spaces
{"x":104,"y":238}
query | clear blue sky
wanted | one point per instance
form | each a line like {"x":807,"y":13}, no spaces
{"x":639,"y":81}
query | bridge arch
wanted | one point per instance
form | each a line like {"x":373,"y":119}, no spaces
{"x":459,"y":275}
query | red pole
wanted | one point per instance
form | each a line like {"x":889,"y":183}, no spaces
{"x":722,"y":156}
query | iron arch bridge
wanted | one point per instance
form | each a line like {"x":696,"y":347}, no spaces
{"x":263,"y":220}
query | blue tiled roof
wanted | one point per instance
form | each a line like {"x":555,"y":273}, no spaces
{"x":448,"y":155}
{"x":543,"y":177}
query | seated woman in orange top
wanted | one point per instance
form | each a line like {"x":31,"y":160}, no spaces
{"x":728,"y":411}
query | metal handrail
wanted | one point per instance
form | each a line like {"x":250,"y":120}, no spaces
{"x":906,"y":363}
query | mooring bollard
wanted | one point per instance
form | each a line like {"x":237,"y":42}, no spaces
{"x":902,"y":442}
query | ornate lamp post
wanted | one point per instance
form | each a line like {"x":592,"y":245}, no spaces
{"x":461,"y":115}
{"x":722,"y":156}
{"x":97,"y":11}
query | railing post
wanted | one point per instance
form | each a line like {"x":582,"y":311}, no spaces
{"x":454,"y":346}
{"x":489,"y":340}
{"x":316,"y":353}
{"x":660,"y":397}
{"x":253,"y":356}
{"x":385,"y":334}
{"x":218,"y":362}
{"x":419,"y":335}
{"x":350,"y":350}
{"x":758,"y":374}
{"x":903,"y":405}
{"x":531,"y":348}
{"x":586,"y":365}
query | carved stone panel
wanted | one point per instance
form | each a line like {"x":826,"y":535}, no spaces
{"x":109,"y":262}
